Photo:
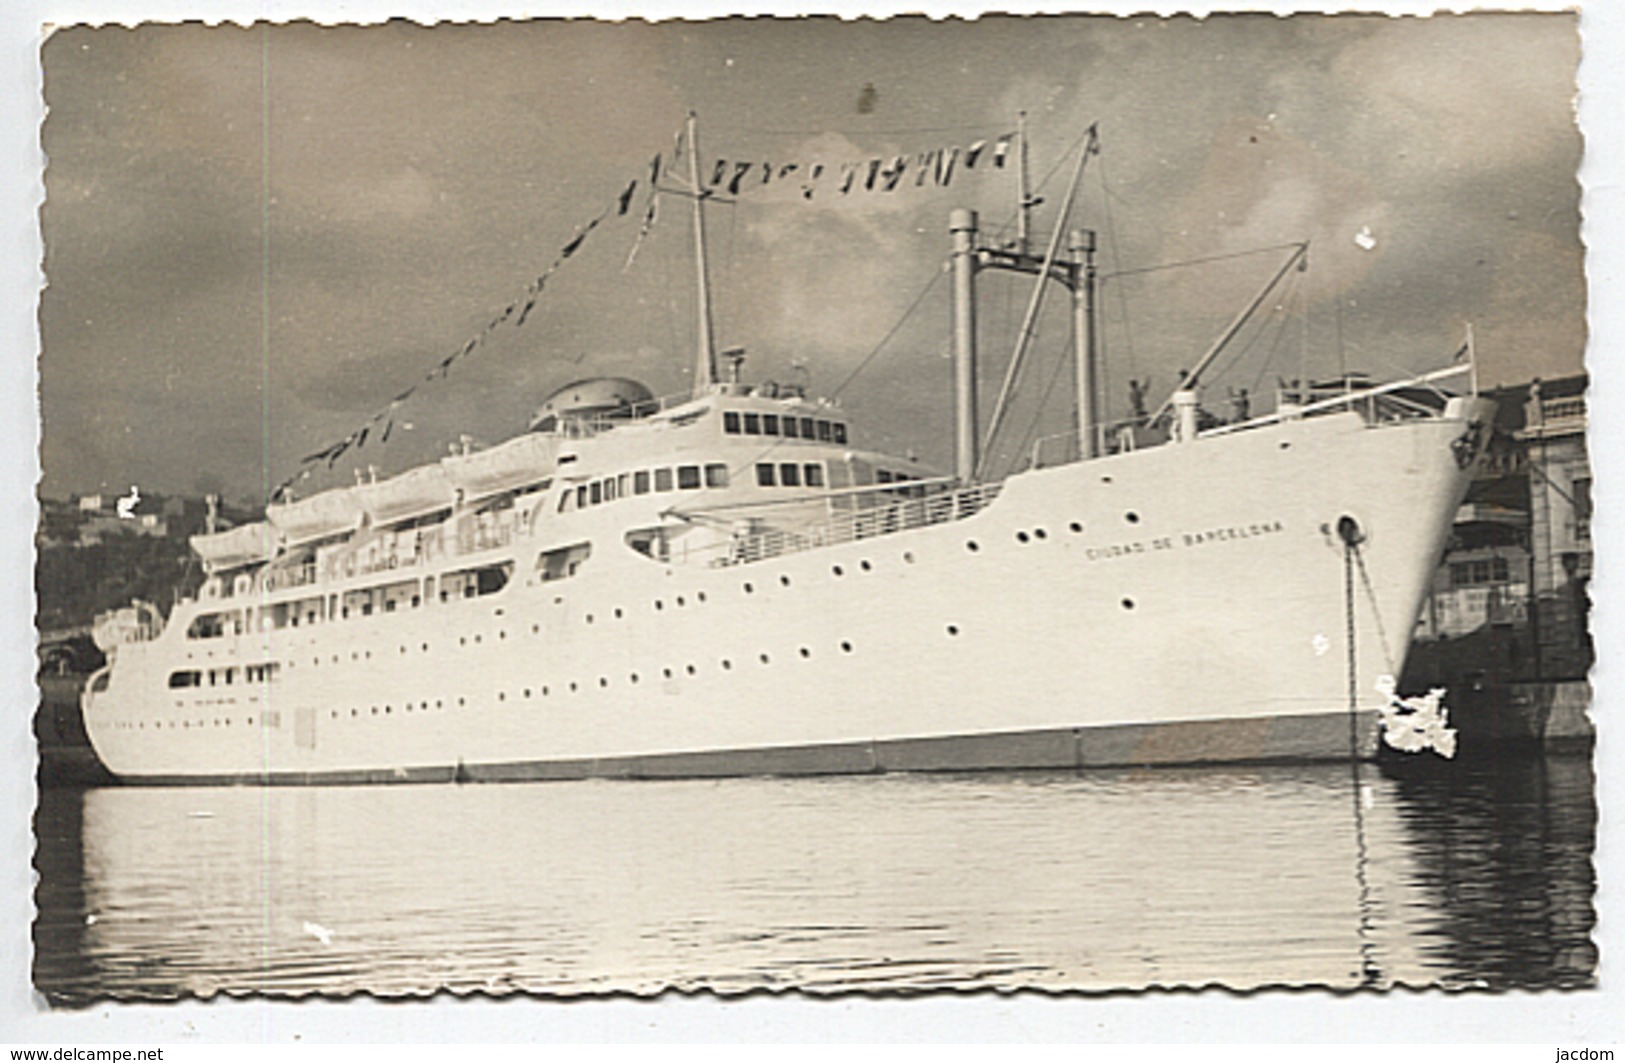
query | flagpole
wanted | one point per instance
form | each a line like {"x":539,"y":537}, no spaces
{"x":705,"y":369}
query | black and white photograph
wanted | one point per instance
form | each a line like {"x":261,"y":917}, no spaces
{"x":856,"y":508}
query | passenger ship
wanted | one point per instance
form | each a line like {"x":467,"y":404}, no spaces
{"x":733,"y":582}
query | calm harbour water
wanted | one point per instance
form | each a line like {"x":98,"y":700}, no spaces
{"x":1104,"y":880}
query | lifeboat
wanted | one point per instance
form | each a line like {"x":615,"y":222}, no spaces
{"x":317,"y":517}
{"x":516,"y":463}
{"x":411,"y":494}
{"x":245,"y":545}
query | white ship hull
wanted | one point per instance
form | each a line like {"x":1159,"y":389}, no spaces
{"x":1176,"y":604}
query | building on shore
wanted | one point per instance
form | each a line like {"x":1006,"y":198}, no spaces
{"x":1505,"y":628}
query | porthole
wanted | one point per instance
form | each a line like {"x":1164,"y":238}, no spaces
{"x":765,"y":659}
{"x":589,"y":618}
{"x":866,"y":566}
{"x":691,"y":669}
{"x":460,"y":701}
{"x":1128,"y":603}
{"x":1021,"y":536}
{"x":618,"y":613}
{"x":726,"y":664}
{"x":784,"y":581}
{"x":805,"y":652}
{"x":573,"y":687}
{"x":908,"y":557}
{"x":603,"y":681}
{"x":1105,"y":479}
{"x":633,"y":677}
{"x":680,"y":601}
{"x":665,"y":673}
{"x":700,"y":596}
{"x":1285,"y":445}
{"x":1040,"y":533}
{"x":837,"y":570}
{"x":374,"y":710}
{"x":972,"y":545}
{"x":501,"y":696}
{"x":352,"y":713}
{"x":1132,"y":517}
{"x":502,"y":634}
{"x":659,"y":605}
{"x":388,"y":711}
{"x":545,"y":691}
{"x":535,"y":629}
{"x":953,"y":629}
{"x":749,"y":589}
{"x":425,"y":647}
{"x":1076,"y":528}
{"x":846,"y":647}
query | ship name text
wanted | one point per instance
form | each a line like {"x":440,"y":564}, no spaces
{"x":1182,"y":540}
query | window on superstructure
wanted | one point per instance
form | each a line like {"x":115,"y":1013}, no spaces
{"x":789,"y":474}
{"x":813,"y":474}
{"x":753,"y":424}
{"x":688,"y":477}
{"x":581,"y":497}
{"x":623,"y":484}
{"x":716,"y":475}
{"x":839,"y":428}
{"x":640,"y":482}
{"x":770,"y":424}
{"x":824,"y":434}
{"x":764,"y":474}
{"x":663,"y":480}
{"x":1582,"y":507}
{"x":562,"y":562}
{"x":188,"y":678}
{"x":808,"y":431}
{"x":730,"y":422}
{"x":790,"y":428}
{"x":595,"y":492}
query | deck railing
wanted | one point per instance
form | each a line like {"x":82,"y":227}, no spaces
{"x":885,"y":518}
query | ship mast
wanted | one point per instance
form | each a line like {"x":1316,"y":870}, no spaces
{"x":705,"y":365}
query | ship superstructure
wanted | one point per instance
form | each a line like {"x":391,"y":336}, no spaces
{"x":730,"y":581}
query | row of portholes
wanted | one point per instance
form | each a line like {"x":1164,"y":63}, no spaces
{"x":725,"y":664}
{"x":389,"y":709}
{"x":161,"y":725}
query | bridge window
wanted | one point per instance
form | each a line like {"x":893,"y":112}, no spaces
{"x":790,"y":428}
{"x":663,"y":480}
{"x":753,"y":424}
{"x":640,"y":482}
{"x":839,"y":429}
{"x":716,"y":475}
{"x":688,"y":477}
{"x":764,"y":474}
{"x":824,"y":434}
{"x":730,"y":422}
{"x":813,"y":474}
{"x":790,"y":474}
{"x":807,"y":429}
{"x":770,"y":424}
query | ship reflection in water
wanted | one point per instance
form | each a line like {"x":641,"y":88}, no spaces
{"x":1103,"y":880}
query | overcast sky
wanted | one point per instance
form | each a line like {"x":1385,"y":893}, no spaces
{"x":256,"y":237}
